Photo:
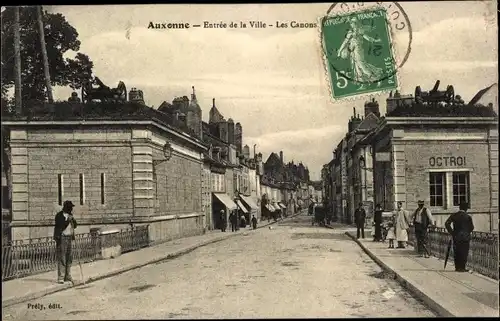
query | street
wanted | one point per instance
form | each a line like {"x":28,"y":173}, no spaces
{"x":292,"y":270}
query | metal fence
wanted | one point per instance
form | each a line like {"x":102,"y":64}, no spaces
{"x":483,"y":253}
{"x":26,"y":257}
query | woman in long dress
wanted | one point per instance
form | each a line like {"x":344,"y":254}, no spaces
{"x":352,"y":49}
{"x":401,"y":225}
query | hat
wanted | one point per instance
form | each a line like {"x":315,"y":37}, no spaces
{"x":420,"y":202}
{"x":67,"y":204}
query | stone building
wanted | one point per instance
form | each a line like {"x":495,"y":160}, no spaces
{"x":188,"y":112}
{"x":120,"y":164}
{"x":442,"y":153}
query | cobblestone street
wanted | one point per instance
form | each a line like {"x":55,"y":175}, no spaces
{"x":292,"y":270}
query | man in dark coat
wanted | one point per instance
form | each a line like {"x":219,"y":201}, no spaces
{"x":461,"y":233}
{"x":359,"y":219}
{"x":254,"y":222}
{"x":377,"y":218}
{"x":422,"y":219}
{"x":223,"y":223}
{"x":64,"y":234}
{"x":234,"y":220}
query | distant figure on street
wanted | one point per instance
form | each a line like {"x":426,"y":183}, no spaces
{"x":390,"y":234}
{"x":422,"y":219}
{"x":461,"y":233}
{"x":64,"y":234}
{"x":254,"y":222}
{"x":377,"y":218}
{"x":401,"y":226}
{"x":223,"y":222}
{"x":359,"y":219}
{"x":243,"y":221}
{"x":233,"y":220}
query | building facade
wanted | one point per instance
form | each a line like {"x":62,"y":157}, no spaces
{"x":117,"y":172}
{"x":441,"y":152}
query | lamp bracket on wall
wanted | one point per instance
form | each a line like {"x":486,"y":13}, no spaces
{"x":167,"y":154}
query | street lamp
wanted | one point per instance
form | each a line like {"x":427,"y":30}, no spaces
{"x":362,"y":164}
{"x":236,"y":199}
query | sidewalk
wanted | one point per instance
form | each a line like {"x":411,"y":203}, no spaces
{"x":39,"y":285}
{"x":447,"y":292}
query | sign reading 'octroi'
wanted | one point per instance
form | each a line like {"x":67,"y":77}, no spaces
{"x":447,"y":161}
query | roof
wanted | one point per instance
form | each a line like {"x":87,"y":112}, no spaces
{"x":421,"y":110}
{"x":481,"y":93}
{"x":368,"y":123}
{"x":72,"y":111}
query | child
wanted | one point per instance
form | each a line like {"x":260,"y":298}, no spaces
{"x":391,"y":235}
{"x":373,"y":232}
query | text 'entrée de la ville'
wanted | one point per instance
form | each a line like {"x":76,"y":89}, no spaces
{"x":232,"y":25}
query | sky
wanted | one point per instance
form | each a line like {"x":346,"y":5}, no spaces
{"x":271,"y":80}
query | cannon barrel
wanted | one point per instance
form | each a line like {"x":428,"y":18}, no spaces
{"x":436,"y":86}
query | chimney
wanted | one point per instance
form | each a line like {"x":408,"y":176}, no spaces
{"x":281,"y":156}
{"x":372,"y":107}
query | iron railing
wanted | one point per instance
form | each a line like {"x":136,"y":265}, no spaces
{"x":27,"y":257}
{"x":134,"y":238}
{"x":483,"y":253}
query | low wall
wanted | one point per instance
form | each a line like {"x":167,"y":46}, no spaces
{"x":175,"y":228}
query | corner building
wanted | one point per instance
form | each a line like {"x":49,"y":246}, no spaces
{"x":441,"y":158}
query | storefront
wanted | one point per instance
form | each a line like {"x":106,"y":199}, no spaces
{"x":441,"y":160}
{"x":222,"y":201}
{"x":250,"y":204}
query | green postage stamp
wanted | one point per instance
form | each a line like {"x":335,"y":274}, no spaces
{"x":358,"y":53}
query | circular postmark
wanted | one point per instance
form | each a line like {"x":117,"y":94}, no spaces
{"x":356,"y":24}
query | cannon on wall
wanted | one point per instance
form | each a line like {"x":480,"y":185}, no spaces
{"x":102,"y":92}
{"x":435,"y":96}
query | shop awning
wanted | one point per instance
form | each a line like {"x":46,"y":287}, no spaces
{"x":282,"y":206}
{"x":249,"y":201}
{"x":226,"y":200}
{"x":270,"y":207}
{"x":242,"y":207}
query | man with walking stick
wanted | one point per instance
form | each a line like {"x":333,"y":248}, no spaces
{"x":64,"y":234}
{"x":422,"y":219}
{"x":461,"y":234}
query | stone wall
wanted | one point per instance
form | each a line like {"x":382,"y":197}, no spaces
{"x":108,"y":174}
{"x":174,"y":228}
{"x":178,"y":185}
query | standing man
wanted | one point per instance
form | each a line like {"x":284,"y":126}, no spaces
{"x":223,"y":223}
{"x":377,"y":218}
{"x":359,"y":219}
{"x":233,"y":219}
{"x":64,"y":234}
{"x":254,"y":222}
{"x":461,"y":233}
{"x":401,"y":225}
{"x":422,"y":219}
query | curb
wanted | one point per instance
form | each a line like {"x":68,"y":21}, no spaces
{"x":62,"y":287}
{"x":429,"y":302}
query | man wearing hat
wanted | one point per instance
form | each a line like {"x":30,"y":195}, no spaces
{"x":422,"y":219}
{"x":64,"y":234}
{"x":461,"y":233}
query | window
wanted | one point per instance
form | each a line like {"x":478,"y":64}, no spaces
{"x":437,"y":188}
{"x":449,"y":189}
{"x":60,"y":189}
{"x":103,"y":186}
{"x":460,"y":188}
{"x":82,"y":189}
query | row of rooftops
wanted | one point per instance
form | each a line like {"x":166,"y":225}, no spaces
{"x":483,"y":104}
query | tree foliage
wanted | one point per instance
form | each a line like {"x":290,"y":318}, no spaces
{"x":60,"y":37}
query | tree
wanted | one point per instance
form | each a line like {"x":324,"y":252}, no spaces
{"x":60,"y":37}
